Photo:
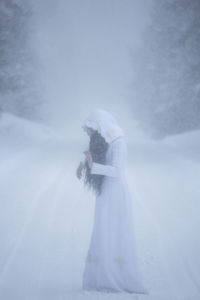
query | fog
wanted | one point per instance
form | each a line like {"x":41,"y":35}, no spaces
{"x":84,"y":47}
{"x":79,"y":55}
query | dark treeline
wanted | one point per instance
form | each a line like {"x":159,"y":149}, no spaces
{"x":18,"y":85}
{"x":166,"y":90}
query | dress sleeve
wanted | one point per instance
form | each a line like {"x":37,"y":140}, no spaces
{"x":117,"y":161}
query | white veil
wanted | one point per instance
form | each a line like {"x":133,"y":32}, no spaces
{"x":104,"y":123}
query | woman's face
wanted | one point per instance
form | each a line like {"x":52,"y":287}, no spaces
{"x":90,"y":131}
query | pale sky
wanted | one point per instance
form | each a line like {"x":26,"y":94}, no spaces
{"x":84,"y":49}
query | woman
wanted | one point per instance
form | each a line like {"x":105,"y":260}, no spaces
{"x":111,"y":264}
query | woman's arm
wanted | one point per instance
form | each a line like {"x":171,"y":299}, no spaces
{"x":118,"y":159}
{"x":101,"y":169}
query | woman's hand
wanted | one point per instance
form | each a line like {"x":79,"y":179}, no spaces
{"x":79,"y":170}
{"x":88,"y":158}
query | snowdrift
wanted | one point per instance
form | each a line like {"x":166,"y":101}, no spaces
{"x":46,"y":214}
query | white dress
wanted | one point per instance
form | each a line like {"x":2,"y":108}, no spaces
{"x":111,"y":264}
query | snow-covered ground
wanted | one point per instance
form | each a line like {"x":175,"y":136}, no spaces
{"x":46,"y":215}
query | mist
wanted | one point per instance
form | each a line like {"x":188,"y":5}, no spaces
{"x":84,"y":49}
{"x":59,"y":61}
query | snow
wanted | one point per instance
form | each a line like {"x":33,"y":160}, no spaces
{"x":46,"y":214}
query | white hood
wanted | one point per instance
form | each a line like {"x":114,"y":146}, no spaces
{"x":104,"y":123}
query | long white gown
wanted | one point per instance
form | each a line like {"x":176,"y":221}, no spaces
{"x":111,"y":264}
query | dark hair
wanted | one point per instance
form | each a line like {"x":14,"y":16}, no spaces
{"x":98,"y":148}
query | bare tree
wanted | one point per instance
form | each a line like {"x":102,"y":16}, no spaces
{"x":18,"y":87}
{"x":167,"y":86}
